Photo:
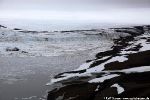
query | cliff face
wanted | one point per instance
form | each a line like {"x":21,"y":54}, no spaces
{"x":121,"y":72}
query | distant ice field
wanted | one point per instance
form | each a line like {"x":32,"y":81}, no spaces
{"x":51,"y":43}
{"x":56,"y":25}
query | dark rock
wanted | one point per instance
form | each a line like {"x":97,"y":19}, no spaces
{"x":12,"y":49}
{"x":1,"y":26}
{"x":82,"y":91}
{"x":17,"y":29}
{"x":46,"y":39}
{"x":134,"y":60}
{"x":43,"y":31}
{"x":29,"y":31}
{"x":24,"y":52}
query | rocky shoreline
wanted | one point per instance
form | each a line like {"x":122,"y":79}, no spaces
{"x":121,"y":72}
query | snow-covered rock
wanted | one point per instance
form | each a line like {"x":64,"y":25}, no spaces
{"x":120,"y":72}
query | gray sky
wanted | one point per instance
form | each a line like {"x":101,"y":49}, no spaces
{"x":76,"y":5}
{"x":98,"y":10}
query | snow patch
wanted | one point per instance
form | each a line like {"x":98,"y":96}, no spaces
{"x":97,"y":88}
{"x":102,"y":79}
{"x":131,"y":70}
{"x":84,"y":66}
{"x":95,"y":69}
{"x":119,"y":88}
{"x":138,"y":41}
{"x":137,"y":69}
{"x":101,"y":67}
{"x":67,"y":76}
{"x":118,"y":58}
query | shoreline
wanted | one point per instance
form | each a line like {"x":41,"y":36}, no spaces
{"x":112,"y":73}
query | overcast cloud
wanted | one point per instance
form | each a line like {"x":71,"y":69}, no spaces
{"x":96,"y":10}
{"x":68,"y":5}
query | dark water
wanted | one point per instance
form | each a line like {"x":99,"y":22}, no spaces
{"x":26,"y":78}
